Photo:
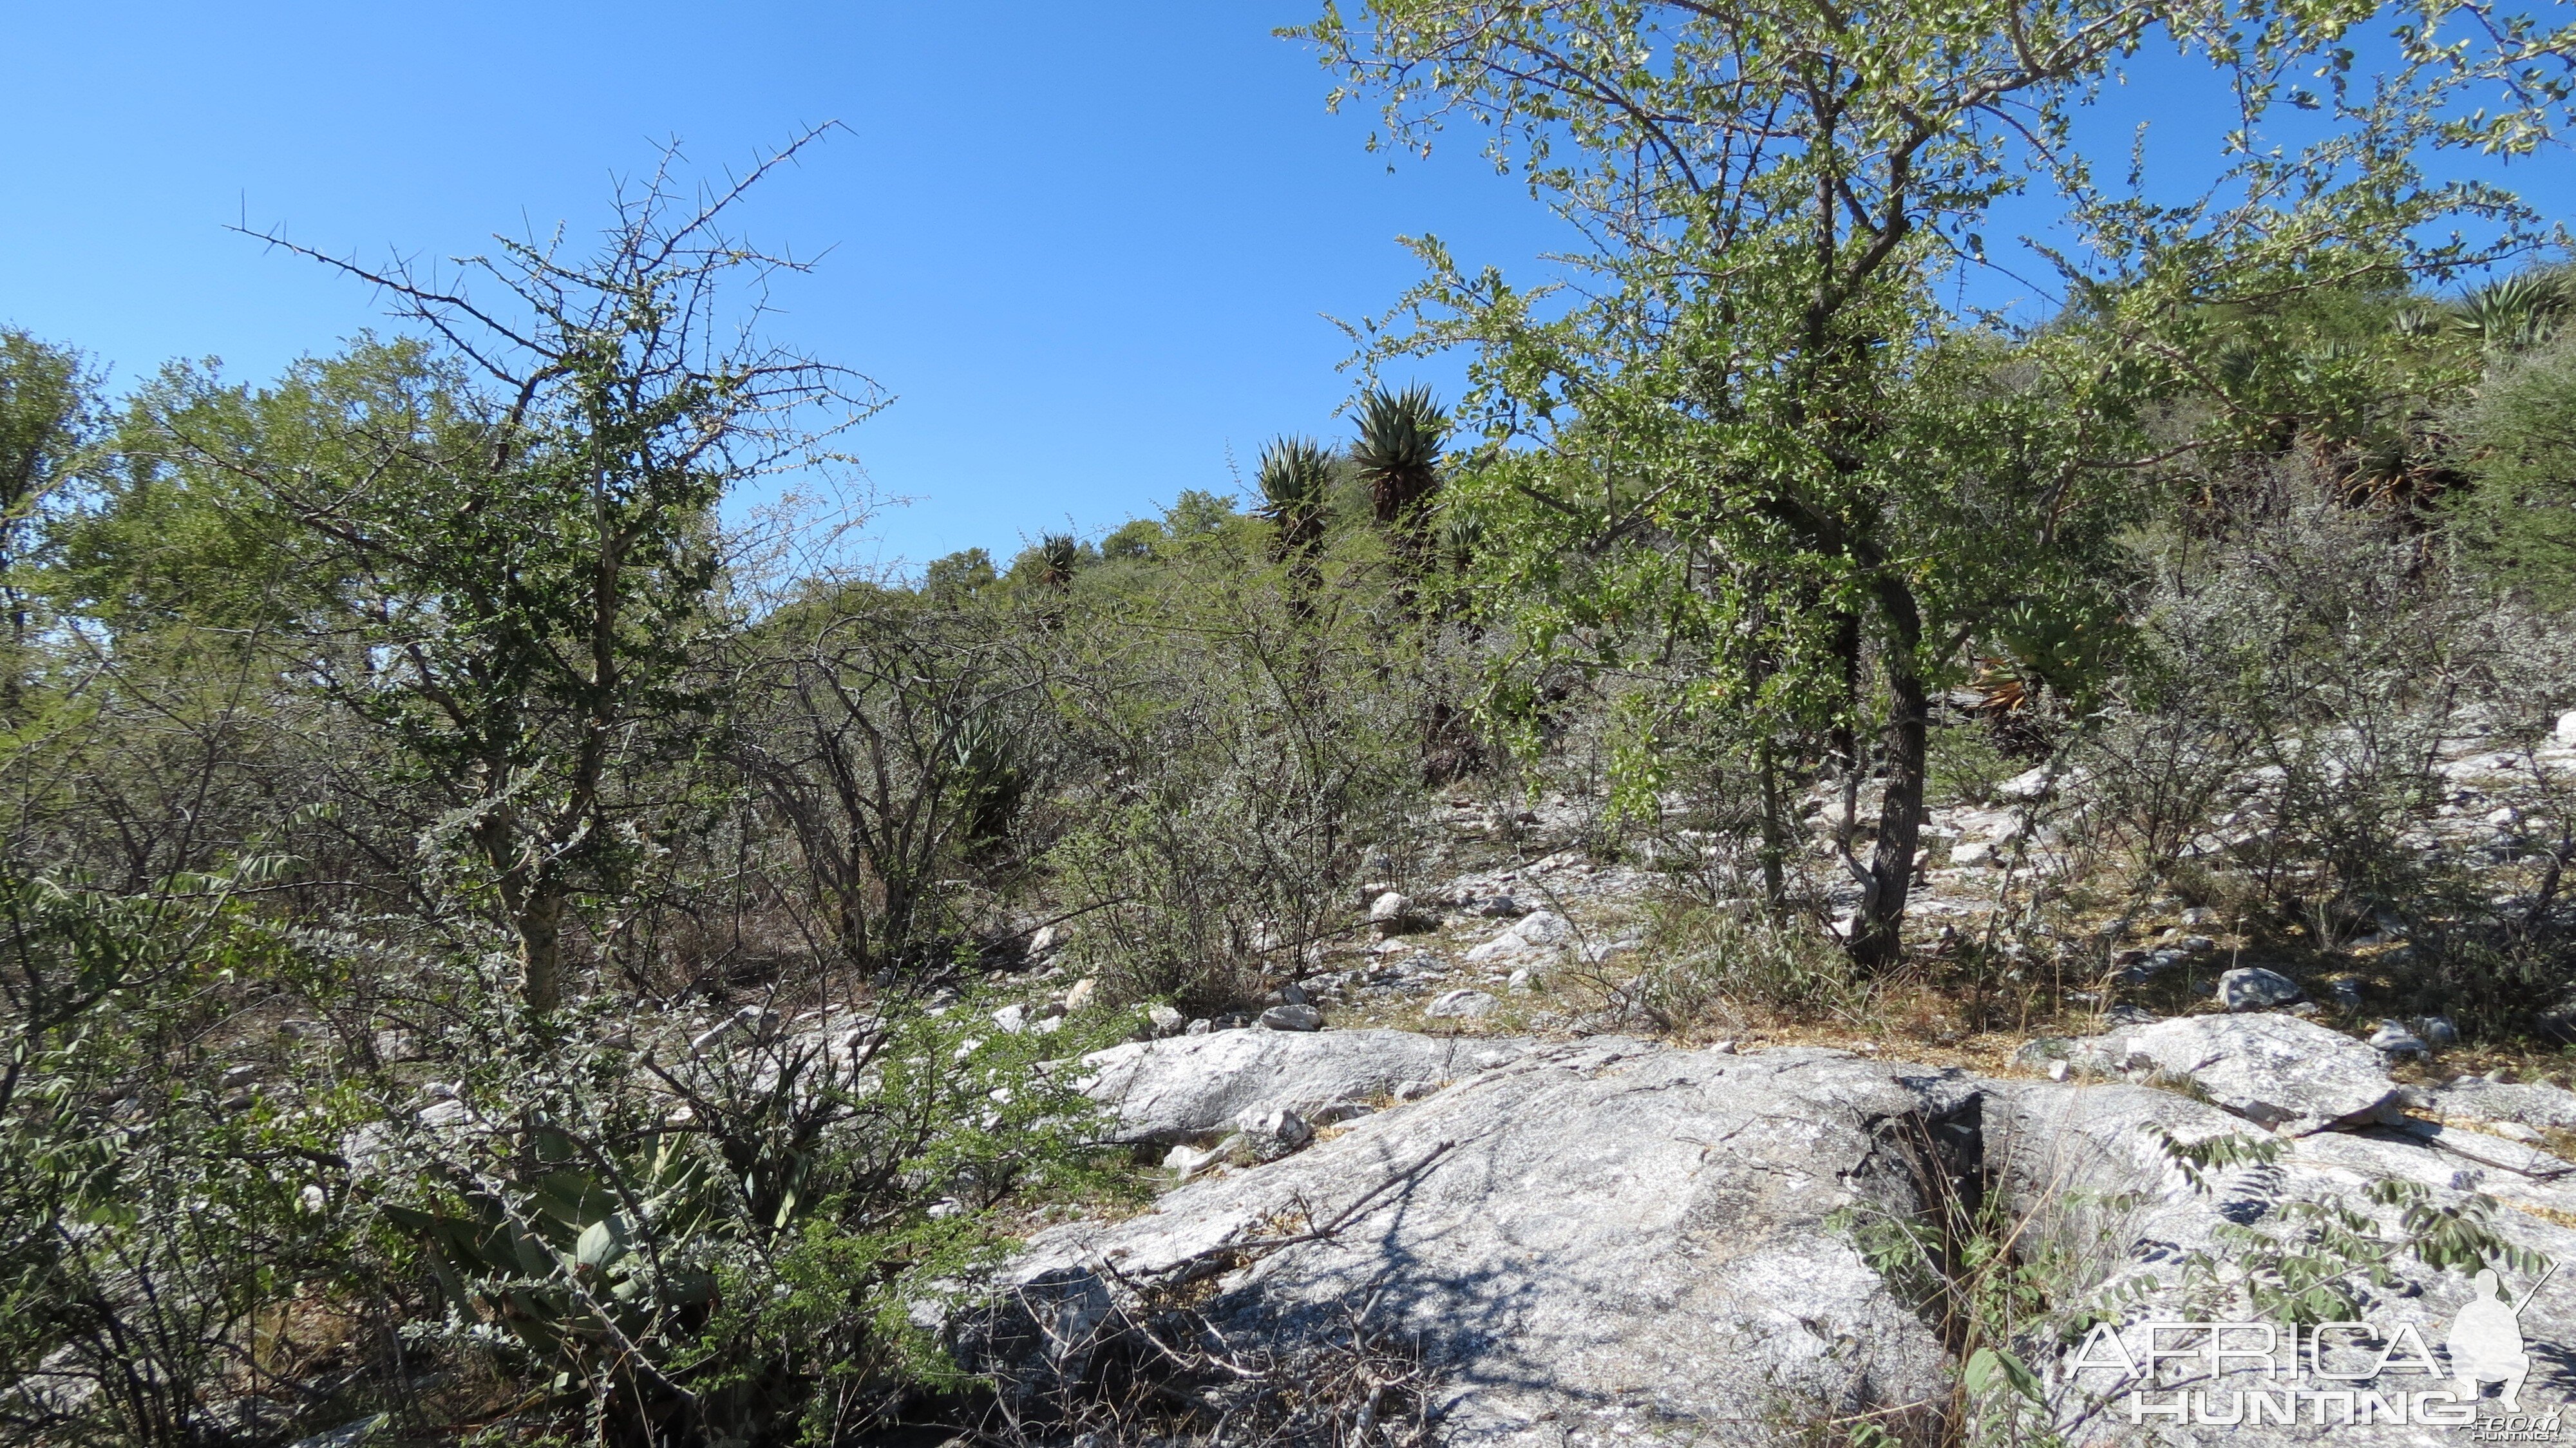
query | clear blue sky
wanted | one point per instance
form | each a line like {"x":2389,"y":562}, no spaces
{"x":1089,"y":247}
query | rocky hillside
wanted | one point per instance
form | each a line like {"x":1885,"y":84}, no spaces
{"x":1607,"y":1239}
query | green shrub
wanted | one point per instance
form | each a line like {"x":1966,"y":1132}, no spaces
{"x":726,"y":1247}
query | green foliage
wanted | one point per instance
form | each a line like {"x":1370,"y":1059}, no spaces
{"x":1197,"y":514}
{"x":2310,"y":1260}
{"x":48,"y":417}
{"x":1296,"y":479}
{"x":728,"y":1246}
{"x":1713,"y":971}
{"x":1754,"y":438}
{"x":2521,"y":439}
{"x":1254,"y":737}
{"x":1966,"y":1263}
{"x":1135,"y":539}
{"x":901,"y":742}
{"x":149,"y":1214}
{"x":1397,"y":453}
{"x":957,"y":577}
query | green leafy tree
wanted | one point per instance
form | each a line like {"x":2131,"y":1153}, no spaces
{"x":956,"y":577}
{"x":1754,"y":440}
{"x":526,"y":542}
{"x":48,"y":420}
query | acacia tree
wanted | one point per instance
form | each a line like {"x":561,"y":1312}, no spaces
{"x":523,"y":537}
{"x":1752,"y":440}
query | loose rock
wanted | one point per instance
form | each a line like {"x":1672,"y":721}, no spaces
{"x":2291,"y":1075}
{"x":1467,"y":1004}
{"x":2252,"y":988}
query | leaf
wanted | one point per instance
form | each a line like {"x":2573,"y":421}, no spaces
{"x":1986,"y":1362}
{"x":601,"y":1244}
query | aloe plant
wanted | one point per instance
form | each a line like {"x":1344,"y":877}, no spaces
{"x":1295,"y":476}
{"x":1398,"y":454}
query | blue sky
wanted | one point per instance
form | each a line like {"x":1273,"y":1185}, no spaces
{"x":1089,"y":248}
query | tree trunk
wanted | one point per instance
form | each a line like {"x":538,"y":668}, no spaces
{"x":1878,"y":932}
{"x":539,"y":923}
{"x":1775,"y":835}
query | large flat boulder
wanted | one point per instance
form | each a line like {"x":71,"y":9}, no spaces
{"x":1185,"y":1087}
{"x":2289,"y":1075}
{"x":1599,"y":1238}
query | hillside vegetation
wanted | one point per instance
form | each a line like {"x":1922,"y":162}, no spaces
{"x":492,"y":951}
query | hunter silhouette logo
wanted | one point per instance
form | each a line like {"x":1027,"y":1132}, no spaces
{"x":2330,"y":1374}
{"x":2485,"y":1345}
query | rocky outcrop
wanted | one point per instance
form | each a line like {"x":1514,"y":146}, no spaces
{"x":2526,"y":1104}
{"x":1608,"y":1239}
{"x":1182,"y":1089}
{"x":1596,"y":1239}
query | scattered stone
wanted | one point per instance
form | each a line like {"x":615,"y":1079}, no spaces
{"x":1500,"y":907}
{"x":2252,"y":988}
{"x":1081,"y":994}
{"x":1188,"y":1160}
{"x":1334,"y":1113}
{"x":2393,"y":1039}
{"x":2057,"y":1070}
{"x":2291,"y":1075}
{"x":1537,"y":929}
{"x":1278,"y":1124}
{"x":1198,"y":1027}
{"x":1044,"y":942}
{"x":2027,"y":787}
{"x":2566,"y":730}
{"x":1292,"y":1018}
{"x":1167,"y":1021}
{"x":2346,"y":992}
{"x":1971,"y":852}
{"x":1389,"y":906}
{"x":1013,"y":1019}
{"x":237,"y":1076}
{"x":2037,"y":1053}
{"x":2437,"y":1031}
{"x":1465,"y":1004}
{"x":1520,"y":983}
{"x":1722,"y":1048}
{"x":1544,"y":927}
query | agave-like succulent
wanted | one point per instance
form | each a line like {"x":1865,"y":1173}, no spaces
{"x":2517,"y":312}
{"x":1058,"y":556}
{"x":1398,"y":452}
{"x":1295,"y":476}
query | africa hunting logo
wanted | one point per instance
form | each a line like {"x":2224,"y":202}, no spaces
{"x":2328,"y":1375}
